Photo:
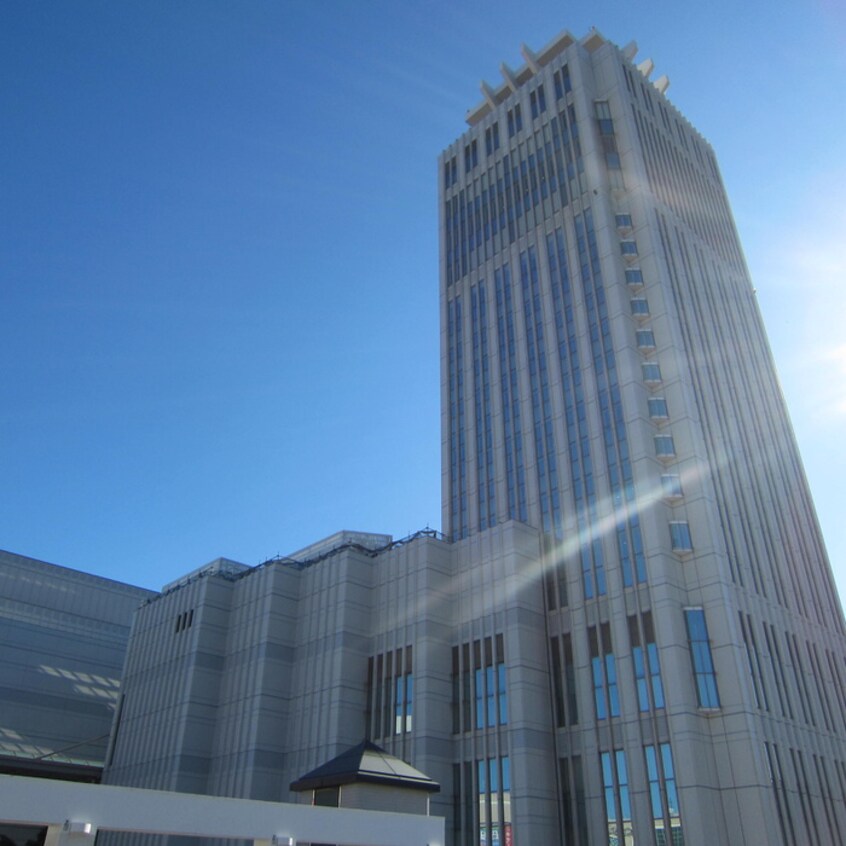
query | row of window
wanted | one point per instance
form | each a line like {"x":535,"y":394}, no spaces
{"x":663,"y":798}
{"x":647,"y":94}
{"x":537,"y":106}
{"x":680,"y":539}
{"x":694,"y":193}
{"x":184,"y":621}
{"x":769,"y":549}
{"x":390,"y":693}
{"x":479,"y":694}
{"x":578,"y":431}
{"x":481,"y":811}
{"x":798,"y":799}
{"x":822,"y":702}
{"x":615,"y":445}
{"x":607,"y":138}
{"x":493,"y":210}
{"x":645,"y":663}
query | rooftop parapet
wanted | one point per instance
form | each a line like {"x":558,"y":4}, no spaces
{"x":534,"y":63}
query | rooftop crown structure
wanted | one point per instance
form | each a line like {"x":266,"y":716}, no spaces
{"x":629,"y":631}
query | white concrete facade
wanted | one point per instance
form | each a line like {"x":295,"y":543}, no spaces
{"x":606,"y":377}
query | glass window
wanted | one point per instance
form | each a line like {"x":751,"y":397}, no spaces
{"x":664,"y":446}
{"x":602,"y":110}
{"x":634,"y":276}
{"x":658,"y":408}
{"x":326,"y":797}
{"x":492,"y":693}
{"x":640,"y":307}
{"x":645,"y":339}
{"x":537,"y":101}
{"x":628,"y":248}
{"x":480,"y":698}
{"x":651,"y":371}
{"x":501,"y":688}
{"x":409,"y":700}
{"x":604,"y":672}
{"x":671,"y":485}
{"x":623,"y":221}
{"x":663,"y":795}
{"x":680,"y":536}
{"x":701,"y":660}
{"x":618,"y":812}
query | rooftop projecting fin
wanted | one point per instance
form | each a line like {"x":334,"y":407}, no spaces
{"x":513,"y":80}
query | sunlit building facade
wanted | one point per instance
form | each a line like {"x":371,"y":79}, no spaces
{"x":628,"y":633}
{"x":606,"y":378}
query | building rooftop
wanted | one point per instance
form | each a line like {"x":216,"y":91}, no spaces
{"x":365,"y":762}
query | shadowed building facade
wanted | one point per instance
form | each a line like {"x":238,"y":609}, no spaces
{"x":629,"y":631}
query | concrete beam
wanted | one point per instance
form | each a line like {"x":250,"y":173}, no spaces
{"x":68,"y":808}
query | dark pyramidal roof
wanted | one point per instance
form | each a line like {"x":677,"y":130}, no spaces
{"x":365,"y":762}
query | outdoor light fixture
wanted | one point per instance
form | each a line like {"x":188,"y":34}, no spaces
{"x":74,"y":827}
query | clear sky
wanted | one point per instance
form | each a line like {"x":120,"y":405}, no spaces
{"x":219,"y":259}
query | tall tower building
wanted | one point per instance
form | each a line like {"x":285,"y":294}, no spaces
{"x":606,"y":378}
{"x":629,"y":633}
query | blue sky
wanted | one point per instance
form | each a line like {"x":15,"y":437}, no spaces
{"x":218,"y":254}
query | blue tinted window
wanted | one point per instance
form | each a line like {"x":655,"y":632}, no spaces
{"x":700,"y":655}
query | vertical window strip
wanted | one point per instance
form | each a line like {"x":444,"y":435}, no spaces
{"x":490,"y":470}
{"x":827,"y":799}
{"x":390,"y":693}
{"x":469,"y":802}
{"x":564,"y":681}
{"x":486,"y":498}
{"x":545,"y":452}
{"x":578,"y":436}
{"x":837,"y":681}
{"x":647,"y":669}
{"x":456,"y":692}
{"x":493,"y":790}
{"x":457,"y":418}
{"x":557,"y":684}
{"x":456,"y":803}
{"x":782,"y":800}
{"x":700,"y":653}
{"x":778,"y":671}
{"x":799,"y":678}
{"x":615,"y":440}
{"x":368,"y":709}
{"x":377,"y":712}
{"x":604,"y":672}
{"x":616,"y":796}
{"x":805,"y":803}
{"x":515,"y":472}
{"x":663,"y":795}
{"x":479,"y":685}
{"x":821,"y":687}
{"x":573,"y":805}
{"x":754,"y":662}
